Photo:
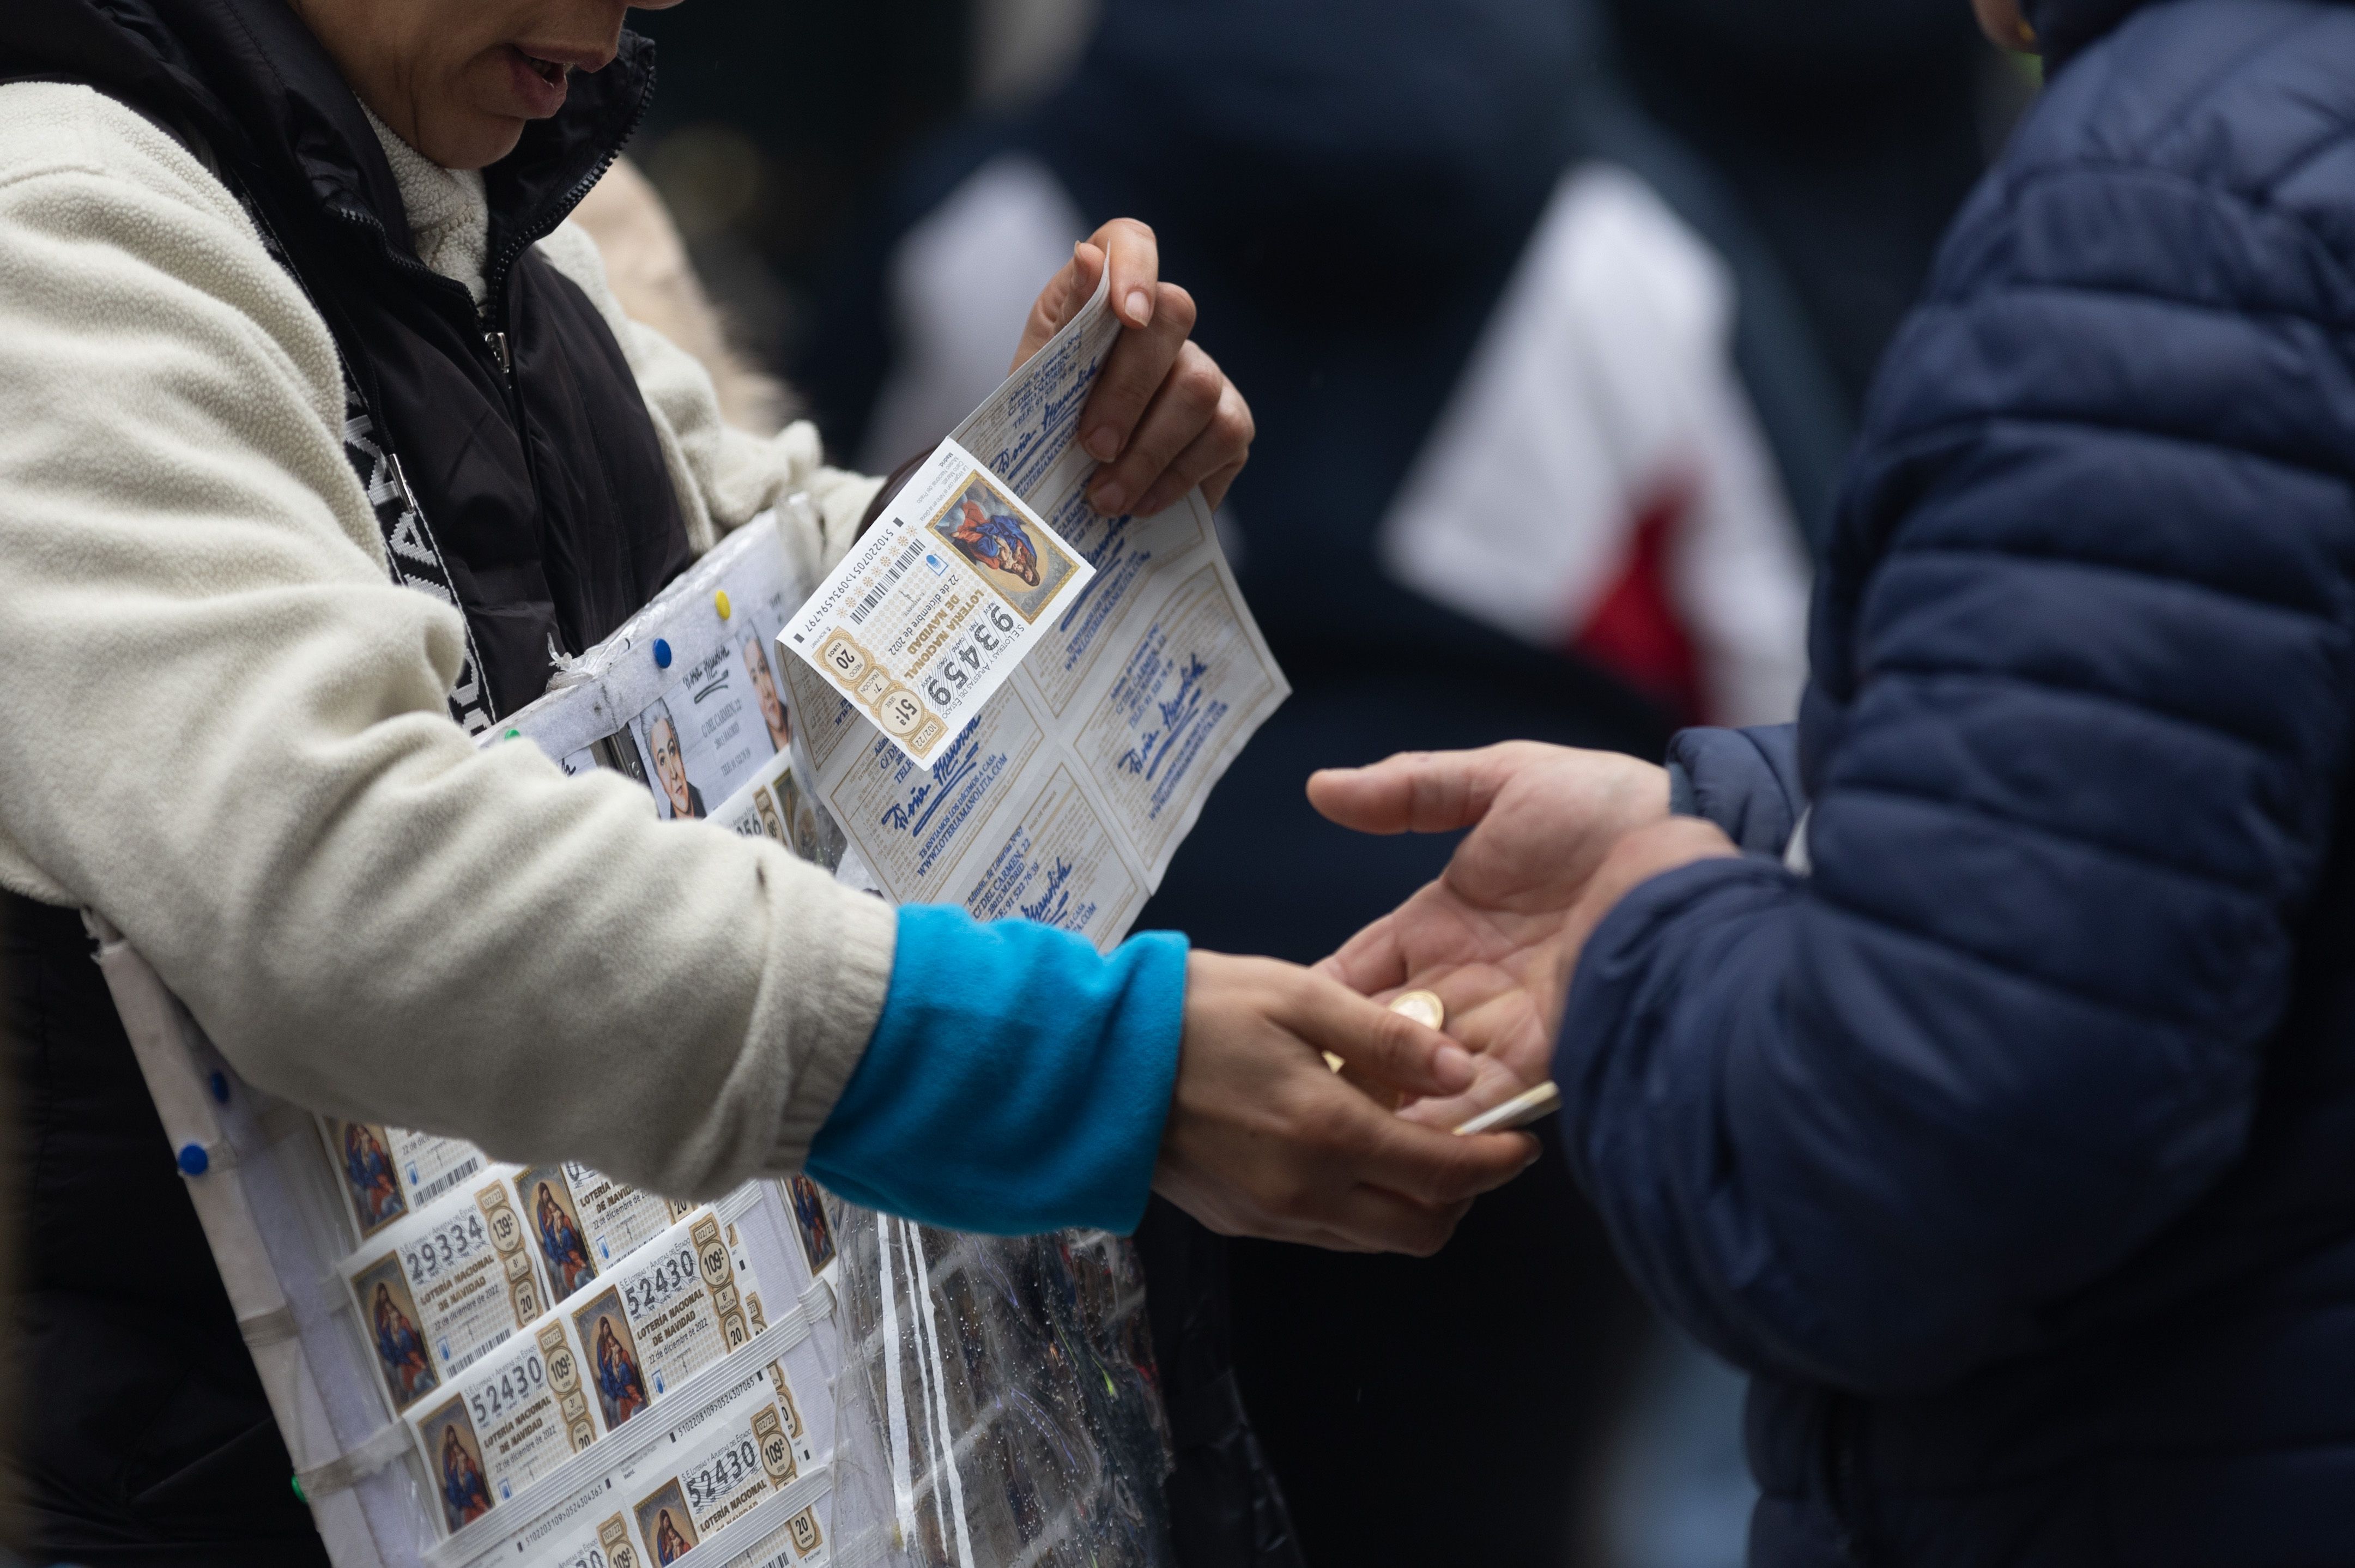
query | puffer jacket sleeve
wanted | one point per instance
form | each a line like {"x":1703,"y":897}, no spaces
{"x":2085,"y":654}
{"x":1745,"y":781}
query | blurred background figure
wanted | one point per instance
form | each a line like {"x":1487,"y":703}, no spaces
{"x":1553,"y":330}
{"x":1847,"y":129}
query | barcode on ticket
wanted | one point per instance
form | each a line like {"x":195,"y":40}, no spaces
{"x":434,"y":1189}
{"x":876,"y":595}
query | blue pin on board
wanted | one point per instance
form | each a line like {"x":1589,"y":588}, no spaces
{"x":662,"y":653}
{"x":194,"y":1160}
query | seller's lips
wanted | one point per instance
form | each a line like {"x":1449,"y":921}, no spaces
{"x":542,"y":74}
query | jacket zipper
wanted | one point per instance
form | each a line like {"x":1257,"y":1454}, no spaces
{"x":497,"y":342}
{"x":495,"y":278}
{"x":490,"y":316}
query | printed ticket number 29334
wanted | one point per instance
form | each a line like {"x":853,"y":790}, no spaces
{"x":930,"y":612}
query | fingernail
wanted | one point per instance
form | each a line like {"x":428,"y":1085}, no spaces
{"x":1452,"y":1065}
{"x":1140,"y":308}
{"x":1102,"y":442}
{"x":1108,"y":498}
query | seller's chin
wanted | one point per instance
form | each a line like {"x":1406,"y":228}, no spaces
{"x":475,"y":132}
{"x":483,"y":141}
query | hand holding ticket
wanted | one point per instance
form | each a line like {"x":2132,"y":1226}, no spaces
{"x":925,"y":618}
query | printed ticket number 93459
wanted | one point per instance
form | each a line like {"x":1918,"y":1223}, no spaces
{"x":929,"y":613}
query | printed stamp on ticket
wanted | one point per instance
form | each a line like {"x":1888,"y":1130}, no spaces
{"x":805,"y":1533}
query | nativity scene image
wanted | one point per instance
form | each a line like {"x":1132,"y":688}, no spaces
{"x":400,"y":1352}
{"x":556,"y":1227}
{"x":368,"y":1171}
{"x":612,"y":1359}
{"x":450,"y":1437}
{"x":1014,"y":557}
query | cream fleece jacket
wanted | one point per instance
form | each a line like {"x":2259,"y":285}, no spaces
{"x":226,"y":729}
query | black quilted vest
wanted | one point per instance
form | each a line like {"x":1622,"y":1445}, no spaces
{"x":530,"y":487}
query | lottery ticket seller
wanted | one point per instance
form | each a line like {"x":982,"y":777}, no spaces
{"x":1975,"y":1063}
{"x":236,"y":735}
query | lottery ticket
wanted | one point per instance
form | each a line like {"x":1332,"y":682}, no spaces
{"x":1065,"y":793}
{"x":582,"y":1223}
{"x":511,"y":1418}
{"x":389,"y":1173}
{"x":444,"y":1286}
{"x":723,"y":1466}
{"x":669,"y":1309}
{"x":931,"y":610}
{"x":730,"y":1450}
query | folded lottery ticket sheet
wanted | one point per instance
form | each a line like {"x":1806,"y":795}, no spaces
{"x":1110,"y":668}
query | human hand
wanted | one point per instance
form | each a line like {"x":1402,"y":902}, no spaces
{"x":1163,"y":418}
{"x":1265,"y":1140}
{"x":1488,"y":934}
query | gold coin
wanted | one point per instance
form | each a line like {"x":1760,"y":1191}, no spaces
{"x":1424,"y":1006}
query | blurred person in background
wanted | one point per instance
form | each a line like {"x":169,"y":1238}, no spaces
{"x":1540,"y":427}
{"x":1847,"y":130}
{"x":1974,"y":1062}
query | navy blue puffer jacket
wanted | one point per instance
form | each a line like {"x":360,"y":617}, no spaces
{"x":2012,"y":1147}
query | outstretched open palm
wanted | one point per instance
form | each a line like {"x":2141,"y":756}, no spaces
{"x":1486,"y":935}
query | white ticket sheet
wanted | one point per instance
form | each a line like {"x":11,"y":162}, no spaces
{"x":931,"y":611}
{"x":511,"y":1418}
{"x":1065,"y":795}
{"x":726,"y":1460}
{"x":387,"y":1173}
{"x":444,"y":1286}
{"x":669,"y":1309}
{"x":741,"y":1442}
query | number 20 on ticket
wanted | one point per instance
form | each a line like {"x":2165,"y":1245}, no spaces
{"x":930,"y":612}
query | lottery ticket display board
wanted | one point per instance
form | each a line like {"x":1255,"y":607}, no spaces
{"x":476,"y":1363}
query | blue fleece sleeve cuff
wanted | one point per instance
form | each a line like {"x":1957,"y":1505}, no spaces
{"x":1017,"y":1081}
